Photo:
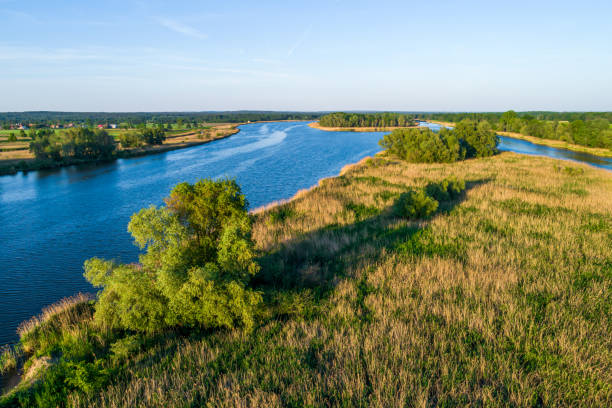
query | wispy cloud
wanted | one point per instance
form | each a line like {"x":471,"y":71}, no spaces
{"x":300,"y":40}
{"x":182,"y":28}
{"x":17,"y":14}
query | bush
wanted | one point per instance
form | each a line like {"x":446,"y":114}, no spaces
{"x":416,"y":205}
{"x":131,"y":139}
{"x":8,"y":359}
{"x":199,"y":258}
{"x":123,"y":348}
{"x":423,"y":146}
{"x":468,"y":139}
{"x":447,"y":189}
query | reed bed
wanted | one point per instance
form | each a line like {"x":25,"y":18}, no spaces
{"x":502,"y":298}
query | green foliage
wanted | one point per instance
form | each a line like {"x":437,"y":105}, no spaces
{"x":199,"y":258}
{"x":416,"y":205}
{"x":341,"y":119}
{"x":281,"y":213}
{"x":424,"y":145}
{"x":8,"y":359}
{"x":12,"y":137}
{"x":448,"y":189}
{"x":125,"y":347}
{"x":153,"y":136}
{"x":583,"y":128}
{"x":77,"y":143}
{"x":131,"y":139}
{"x":468,"y":139}
{"x":479,"y":138}
{"x":362,"y":211}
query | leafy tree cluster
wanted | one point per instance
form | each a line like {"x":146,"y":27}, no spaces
{"x":341,"y":119}
{"x":150,"y":136}
{"x":76,"y":143}
{"x":593,"y":133}
{"x":468,"y":139}
{"x":583,"y":128}
{"x":198,"y":261}
{"x":132,"y":119}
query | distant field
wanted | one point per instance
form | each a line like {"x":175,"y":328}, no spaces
{"x":17,"y":153}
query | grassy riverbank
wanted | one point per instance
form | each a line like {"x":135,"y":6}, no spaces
{"x":316,"y":125}
{"x":559,"y":144}
{"x":504,"y":297}
{"x":17,"y":157}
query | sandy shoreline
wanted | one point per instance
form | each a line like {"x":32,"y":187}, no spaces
{"x":316,"y":125}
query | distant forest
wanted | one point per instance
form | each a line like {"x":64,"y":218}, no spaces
{"x":387,"y":119}
{"x":134,"y":118}
{"x":590,"y":129}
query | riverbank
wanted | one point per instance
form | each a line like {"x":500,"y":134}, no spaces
{"x":467,"y":307}
{"x":546,"y":142}
{"x":15,"y":161}
{"x":316,"y":125}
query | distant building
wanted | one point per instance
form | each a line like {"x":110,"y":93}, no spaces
{"x":101,"y":126}
{"x":113,"y":126}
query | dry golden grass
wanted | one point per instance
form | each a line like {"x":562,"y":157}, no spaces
{"x":503,"y":298}
{"x":63,"y":309}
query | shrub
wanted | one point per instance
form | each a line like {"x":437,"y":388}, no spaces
{"x":416,"y":205}
{"x":468,"y":139}
{"x":423,"y":146}
{"x":123,"y":348}
{"x":280,"y":214}
{"x":8,"y":360}
{"x":199,"y":258}
{"x":131,"y":139}
{"x":447,"y":189}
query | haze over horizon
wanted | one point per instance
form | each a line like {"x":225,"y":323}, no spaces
{"x":305,"y":56}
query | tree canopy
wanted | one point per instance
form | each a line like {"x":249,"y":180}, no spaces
{"x":341,"y":119}
{"x":78,"y":143}
{"x":198,"y":259}
{"x":468,"y":139}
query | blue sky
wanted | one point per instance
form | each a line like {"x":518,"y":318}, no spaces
{"x":133,"y":55}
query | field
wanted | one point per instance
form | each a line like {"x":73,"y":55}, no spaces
{"x":503,"y":298}
{"x":12,"y":153}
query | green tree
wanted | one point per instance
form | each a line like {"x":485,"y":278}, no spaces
{"x":198,"y":261}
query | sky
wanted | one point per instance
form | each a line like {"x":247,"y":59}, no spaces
{"x":437,"y":55}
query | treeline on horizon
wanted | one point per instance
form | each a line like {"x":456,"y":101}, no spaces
{"x":87,"y":144}
{"x":134,"y":118}
{"x":386,"y":119}
{"x":590,"y":129}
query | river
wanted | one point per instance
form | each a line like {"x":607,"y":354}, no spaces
{"x":510,"y":144}
{"x":52,"y":221}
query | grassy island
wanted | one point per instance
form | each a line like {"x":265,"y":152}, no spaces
{"x":500,"y":294}
{"x":364,"y":122}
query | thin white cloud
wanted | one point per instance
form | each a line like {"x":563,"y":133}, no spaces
{"x":182,"y":28}
{"x":300,"y":40}
{"x":17,"y":14}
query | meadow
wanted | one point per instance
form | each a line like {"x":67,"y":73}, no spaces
{"x":16,"y":156}
{"x":502,"y":298}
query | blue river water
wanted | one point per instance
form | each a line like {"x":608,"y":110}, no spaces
{"x":52,"y":221}
{"x":509,"y":144}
